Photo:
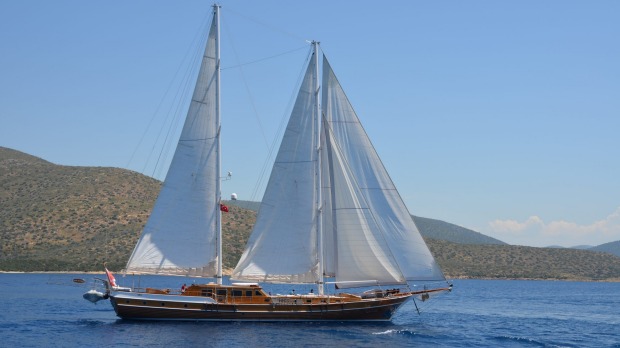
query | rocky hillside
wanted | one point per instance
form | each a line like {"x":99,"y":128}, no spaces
{"x":61,"y":218}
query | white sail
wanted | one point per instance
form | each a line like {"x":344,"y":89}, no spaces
{"x":374,"y":237}
{"x":283,"y":243}
{"x":368,"y":235}
{"x":180,"y":236}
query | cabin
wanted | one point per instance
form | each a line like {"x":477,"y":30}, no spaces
{"x":241,"y":294}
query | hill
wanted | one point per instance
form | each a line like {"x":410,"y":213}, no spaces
{"x":68,"y":218}
{"x":441,"y":230}
{"x":249,"y":205}
{"x":582,"y":247}
{"x":62,"y":218}
{"x":521,"y":262}
{"x":611,"y":247}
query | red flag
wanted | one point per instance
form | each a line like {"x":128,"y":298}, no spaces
{"x":110,"y":277}
{"x":223,"y":208}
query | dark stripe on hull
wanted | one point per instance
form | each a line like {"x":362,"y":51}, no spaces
{"x":368,"y":310}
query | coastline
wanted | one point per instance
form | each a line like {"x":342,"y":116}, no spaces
{"x":448,"y":278}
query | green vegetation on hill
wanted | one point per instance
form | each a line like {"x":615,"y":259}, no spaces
{"x":521,"y":262}
{"x":68,"y":218}
{"x":441,"y":230}
{"x":249,"y":205}
{"x":61,"y":218}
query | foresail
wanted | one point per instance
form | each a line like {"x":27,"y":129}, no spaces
{"x":283,"y":243}
{"x":355,"y":243}
{"x":180,"y":235}
{"x":374,"y":236}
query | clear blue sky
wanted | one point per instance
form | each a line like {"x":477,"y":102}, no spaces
{"x":500,"y":116}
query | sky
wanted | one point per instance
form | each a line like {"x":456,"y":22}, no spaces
{"x":499,"y":116}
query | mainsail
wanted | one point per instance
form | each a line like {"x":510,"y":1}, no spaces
{"x":283,"y":244}
{"x":180,"y":236}
{"x":366,"y":231}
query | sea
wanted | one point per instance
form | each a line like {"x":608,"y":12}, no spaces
{"x":47,"y":310}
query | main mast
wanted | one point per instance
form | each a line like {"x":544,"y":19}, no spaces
{"x":319,"y":199}
{"x":218,"y":182}
{"x":183,"y":233}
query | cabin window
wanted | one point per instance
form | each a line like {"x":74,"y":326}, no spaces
{"x":237,"y":293}
{"x":221,"y":292}
{"x":248,"y":293}
{"x":257,"y":293}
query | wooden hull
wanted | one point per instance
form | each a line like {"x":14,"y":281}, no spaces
{"x":196,"y":308}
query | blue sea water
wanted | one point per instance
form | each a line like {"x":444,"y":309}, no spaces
{"x":47,"y":310}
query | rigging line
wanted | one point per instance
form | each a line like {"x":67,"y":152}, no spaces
{"x":178,"y":114}
{"x":161,"y":101}
{"x":271,"y":27}
{"x":425,"y":305}
{"x":177,"y":101}
{"x":283,"y":122}
{"x":416,"y":306}
{"x":245,"y":84}
{"x":266,"y":58}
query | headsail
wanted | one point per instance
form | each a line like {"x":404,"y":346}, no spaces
{"x":180,"y":236}
{"x":375,"y":237}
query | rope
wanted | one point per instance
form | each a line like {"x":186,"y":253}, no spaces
{"x":190,"y":55}
{"x":283,"y":122}
{"x":266,"y":58}
{"x":273,"y":28}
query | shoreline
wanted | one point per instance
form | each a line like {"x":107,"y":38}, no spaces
{"x":611,"y":280}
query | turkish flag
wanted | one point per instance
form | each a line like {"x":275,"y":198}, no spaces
{"x":110,"y":277}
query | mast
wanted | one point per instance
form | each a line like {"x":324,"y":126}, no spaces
{"x":319,"y":199}
{"x":218,"y":182}
{"x":181,"y":236}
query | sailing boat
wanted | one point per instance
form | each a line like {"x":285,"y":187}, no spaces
{"x":330,"y":215}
